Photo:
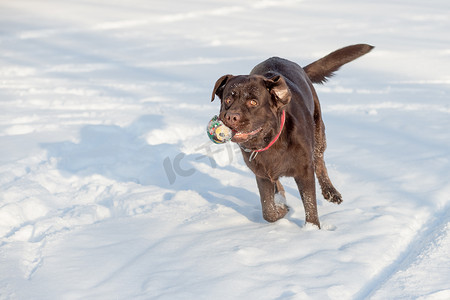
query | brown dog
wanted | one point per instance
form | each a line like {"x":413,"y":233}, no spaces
{"x":275,"y":115}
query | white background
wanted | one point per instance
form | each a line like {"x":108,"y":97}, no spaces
{"x":110,"y":188}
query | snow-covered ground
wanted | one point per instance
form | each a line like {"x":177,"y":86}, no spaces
{"x":110,"y":188}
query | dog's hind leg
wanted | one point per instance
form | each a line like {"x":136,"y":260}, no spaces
{"x":329,"y":192}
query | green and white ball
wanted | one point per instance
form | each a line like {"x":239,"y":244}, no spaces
{"x":218,"y":132}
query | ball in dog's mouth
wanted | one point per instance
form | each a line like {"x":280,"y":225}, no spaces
{"x":218,"y":132}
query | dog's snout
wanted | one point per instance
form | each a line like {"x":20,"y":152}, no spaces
{"x":233,"y":118}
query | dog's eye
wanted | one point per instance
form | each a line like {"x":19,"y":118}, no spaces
{"x":228,"y":101}
{"x":253,"y":102}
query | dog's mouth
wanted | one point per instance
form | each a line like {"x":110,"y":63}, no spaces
{"x":241,"y":137}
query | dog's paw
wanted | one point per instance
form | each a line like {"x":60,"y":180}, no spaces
{"x":332,"y":195}
{"x":279,"y":211}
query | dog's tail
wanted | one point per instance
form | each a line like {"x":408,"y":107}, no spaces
{"x":324,"y":68}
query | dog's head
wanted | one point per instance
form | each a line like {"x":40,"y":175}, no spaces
{"x":250,"y":106}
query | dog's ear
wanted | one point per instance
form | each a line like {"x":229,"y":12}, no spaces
{"x":219,"y":86}
{"x":279,"y":90}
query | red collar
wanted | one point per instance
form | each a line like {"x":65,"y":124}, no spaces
{"x":255,"y":152}
{"x":283,"y":119}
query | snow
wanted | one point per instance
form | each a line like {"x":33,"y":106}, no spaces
{"x":110,"y":188}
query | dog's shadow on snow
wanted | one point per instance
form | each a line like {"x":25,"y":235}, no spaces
{"x":124,"y":155}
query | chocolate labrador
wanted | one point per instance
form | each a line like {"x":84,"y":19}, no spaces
{"x":276,"y":119}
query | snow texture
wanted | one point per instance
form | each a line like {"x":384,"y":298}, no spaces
{"x":110,"y":188}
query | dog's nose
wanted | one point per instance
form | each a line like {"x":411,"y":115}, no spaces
{"x":233,"y":118}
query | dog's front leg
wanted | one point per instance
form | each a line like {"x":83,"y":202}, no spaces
{"x":271,"y":211}
{"x":307,"y":188}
